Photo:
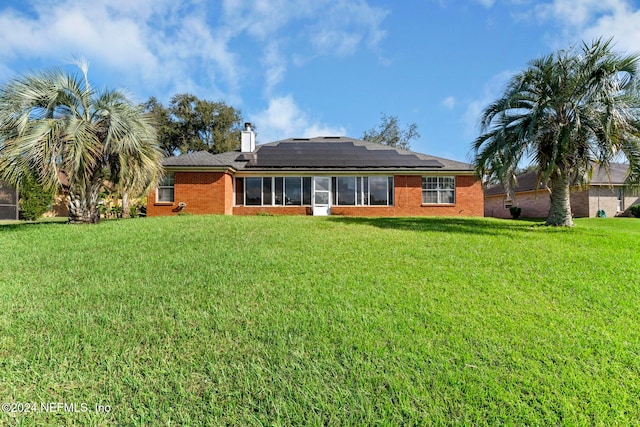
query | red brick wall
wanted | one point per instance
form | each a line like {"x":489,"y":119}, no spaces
{"x":212,"y":193}
{"x":203,"y":192}
{"x":408,"y":200}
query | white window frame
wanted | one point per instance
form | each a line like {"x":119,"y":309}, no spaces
{"x":163,"y":185}
{"x":439,"y":190}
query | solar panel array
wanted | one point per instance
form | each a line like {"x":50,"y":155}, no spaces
{"x":305,"y":154}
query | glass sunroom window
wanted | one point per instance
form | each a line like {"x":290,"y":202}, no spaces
{"x":297,"y":190}
{"x":378,"y":191}
{"x":239,"y":188}
{"x":253,"y":191}
{"x":346,"y":189}
{"x":293,"y":190}
{"x":279,"y":190}
{"x":363,"y":190}
{"x":306,"y":190}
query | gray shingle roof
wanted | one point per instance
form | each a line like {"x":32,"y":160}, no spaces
{"x":204,"y":159}
{"x":527,"y":181}
{"x":320,"y":153}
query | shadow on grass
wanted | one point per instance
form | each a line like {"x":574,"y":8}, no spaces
{"x":490,"y":226}
{"x":16,"y":225}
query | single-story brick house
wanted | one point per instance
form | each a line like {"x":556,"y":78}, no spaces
{"x":8,"y":202}
{"x":605,"y":193}
{"x":316,"y":176}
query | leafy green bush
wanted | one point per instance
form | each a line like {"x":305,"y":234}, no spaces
{"x":34,"y":200}
{"x":635,"y":210}
{"x":515,"y":211}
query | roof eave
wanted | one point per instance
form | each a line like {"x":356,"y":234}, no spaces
{"x":180,"y":168}
{"x":343,"y":171}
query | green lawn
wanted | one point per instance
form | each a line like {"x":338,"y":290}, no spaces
{"x":213,"y":320}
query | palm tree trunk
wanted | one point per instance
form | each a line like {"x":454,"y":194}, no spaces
{"x":560,"y":209}
{"x":83,"y":204}
{"x":125,"y":205}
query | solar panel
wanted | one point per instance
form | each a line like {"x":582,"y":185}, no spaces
{"x":306,"y":154}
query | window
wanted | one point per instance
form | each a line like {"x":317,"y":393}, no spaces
{"x":253,"y":191}
{"x":279,"y":191}
{"x":306,"y":190}
{"x":346,"y":189}
{"x":166,"y":189}
{"x":297,"y":191}
{"x":266,"y":191}
{"x":364,"y":195}
{"x":363,"y":190}
{"x":378,"y":191}
{"x":239,"y":191}
{"x":293,"y":191}
{"x":438,"y":189}
{"x":508,"y":203}
{"x":273,"y":191}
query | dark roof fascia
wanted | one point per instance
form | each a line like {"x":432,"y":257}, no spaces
{"x":200,"y":169}
{"x":352,"y":171}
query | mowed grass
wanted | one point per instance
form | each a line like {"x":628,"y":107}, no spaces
{"x":213,"y":320}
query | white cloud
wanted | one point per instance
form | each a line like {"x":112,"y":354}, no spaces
{"x":624,"y":27}
{"x":590,"y":19}
{"x":283,"y":119}
{"x":580,"y":13}
{"x":449,"y":102}
{"x":67,"y":27}
{"x":160,"y":45}
{"x":166,"y":46}
{"x":275,"y":68}
{"x":490,"y":91}
{"x":293,"y":32}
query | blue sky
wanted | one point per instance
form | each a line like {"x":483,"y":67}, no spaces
{"x":300,"y":68}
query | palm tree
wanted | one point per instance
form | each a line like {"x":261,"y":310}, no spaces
{"x":55,"y":123}
{"x":566,"y":112}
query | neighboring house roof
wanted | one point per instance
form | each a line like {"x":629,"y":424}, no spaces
{"x":320,"y":153}
{"x":617,"y":174}
{"x":527,"y":181}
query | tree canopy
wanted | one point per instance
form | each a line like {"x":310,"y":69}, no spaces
{"x":389,"y":133}
{"x":56,"y":124}
{"x":191,"y":124}
{"x":565,"y":113}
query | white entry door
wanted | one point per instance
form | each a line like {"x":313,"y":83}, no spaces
{"x":321,"y":196}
